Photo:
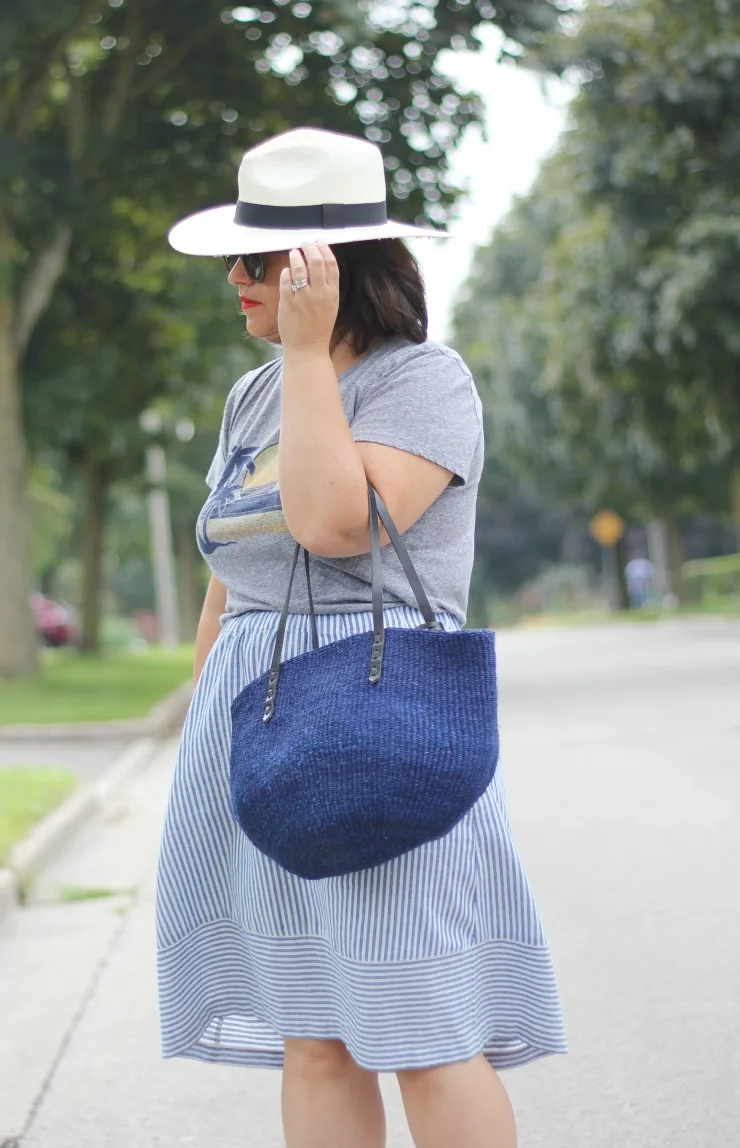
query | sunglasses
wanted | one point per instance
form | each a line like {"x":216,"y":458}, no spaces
{"x":254,"y":265}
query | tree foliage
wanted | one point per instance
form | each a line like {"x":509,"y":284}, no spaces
{"x":124,"y":333}
{"x":161,"y":97}
{"x":657,"y":143}
{"x":603,"y":318}
{"x":144,"y":106}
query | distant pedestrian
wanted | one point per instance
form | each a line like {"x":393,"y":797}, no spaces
{"x":639,"y":574}
{"x":432,"y":965}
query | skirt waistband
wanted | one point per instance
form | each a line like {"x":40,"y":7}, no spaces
{"x":333,"y":626}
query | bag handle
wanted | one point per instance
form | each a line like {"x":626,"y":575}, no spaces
{"x":399,"y":546}
{"x":378,"y":510}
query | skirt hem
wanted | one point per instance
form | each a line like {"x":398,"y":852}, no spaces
{"x":499,"y":998}
{"x":256,"y":1059}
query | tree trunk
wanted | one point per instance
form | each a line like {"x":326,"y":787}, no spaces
{"x":95,"y":490}
{"x":620,"y":553}
{"x":18,"y":640}
{"x":190,"y":598}
{"x":735,"y":502}
{"x":656,"y":532}
{"x":43,"y":274}
{"x":675,"y":555}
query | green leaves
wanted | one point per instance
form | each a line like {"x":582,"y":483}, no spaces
{"x":126,"y":115}
{"x":167,"y":93}
{"x":603,"y":319}
{"x":117,"y":117}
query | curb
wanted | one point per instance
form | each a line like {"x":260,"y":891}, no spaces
{"x":8,"y":892}
{"x":53,"y":832}
{"x":162,"y":719}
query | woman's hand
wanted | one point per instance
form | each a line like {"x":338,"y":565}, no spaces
{"x":306,"y":317}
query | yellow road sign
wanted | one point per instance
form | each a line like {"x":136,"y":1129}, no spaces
{"x":607,"y":527}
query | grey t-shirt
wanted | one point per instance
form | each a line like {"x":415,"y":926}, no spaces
{"x":418,"y":398}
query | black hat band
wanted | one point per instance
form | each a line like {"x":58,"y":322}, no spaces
{"x":325,"y":216}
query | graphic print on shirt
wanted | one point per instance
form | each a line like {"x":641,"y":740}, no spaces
{"x":246,"y":500}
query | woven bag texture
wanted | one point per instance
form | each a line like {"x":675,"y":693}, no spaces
{"x":348,"y":775}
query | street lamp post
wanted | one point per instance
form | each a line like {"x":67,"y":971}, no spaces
{"x":160,"y":534}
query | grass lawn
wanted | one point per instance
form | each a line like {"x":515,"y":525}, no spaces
{"x":96,"y":688}
{"x":26,"y":795}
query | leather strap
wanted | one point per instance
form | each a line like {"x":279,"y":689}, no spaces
{"x":376,"y":567}
{"x":408,"y":566}
{"x":378,"y":510}
{"x":274,"y":676}
{"x":314,"y":627}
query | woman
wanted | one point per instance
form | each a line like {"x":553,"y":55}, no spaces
{"x":433,"y":966}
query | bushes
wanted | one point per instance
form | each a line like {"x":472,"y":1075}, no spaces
{"x":710,"y":580}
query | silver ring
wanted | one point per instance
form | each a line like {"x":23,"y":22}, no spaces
{"x":298,"y":285}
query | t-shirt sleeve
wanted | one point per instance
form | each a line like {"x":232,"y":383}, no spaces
{"x":426,"y":405}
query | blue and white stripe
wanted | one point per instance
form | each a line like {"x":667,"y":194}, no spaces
{"x":425,"y":960}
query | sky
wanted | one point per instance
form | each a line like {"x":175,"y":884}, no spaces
{"x":523,"y":122}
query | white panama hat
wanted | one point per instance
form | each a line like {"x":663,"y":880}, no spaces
{"x":296,"y":187}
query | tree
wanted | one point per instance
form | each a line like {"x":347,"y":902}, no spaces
{"x":655,"y":142}
{"x":105,"y":356}
{"x":127,"y":575}
{"x":603,"y":318}
{"x":527,"y":327}
{"x":152,"y":101}
{"x":548,"y":325}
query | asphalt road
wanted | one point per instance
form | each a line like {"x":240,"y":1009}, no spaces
{"x":621,"y":753}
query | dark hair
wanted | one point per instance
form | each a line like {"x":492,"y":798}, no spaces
{"x":381,"y":294}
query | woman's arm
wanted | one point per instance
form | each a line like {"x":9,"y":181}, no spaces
{"x":209,"y":626}
{"x":323,"y":472}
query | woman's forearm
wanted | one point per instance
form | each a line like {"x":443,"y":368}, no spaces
{"x":323,"y":488}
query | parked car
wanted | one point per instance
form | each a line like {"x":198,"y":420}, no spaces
{"x":55,"y":623}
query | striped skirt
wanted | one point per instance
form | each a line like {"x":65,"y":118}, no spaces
{"x":426,"y":960}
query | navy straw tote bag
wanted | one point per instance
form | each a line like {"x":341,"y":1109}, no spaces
{"x":371,"y":745}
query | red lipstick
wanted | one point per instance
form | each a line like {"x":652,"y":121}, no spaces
{"x":247,"y":304}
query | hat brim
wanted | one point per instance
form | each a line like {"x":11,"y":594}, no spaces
{"x":213,"y":232}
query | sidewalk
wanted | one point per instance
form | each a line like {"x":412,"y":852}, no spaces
{"x":88,"y":748}
{"x":79,"y":1061}
{"x":87,"y":759}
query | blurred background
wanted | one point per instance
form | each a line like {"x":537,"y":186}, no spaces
{"x":585,"y":157}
